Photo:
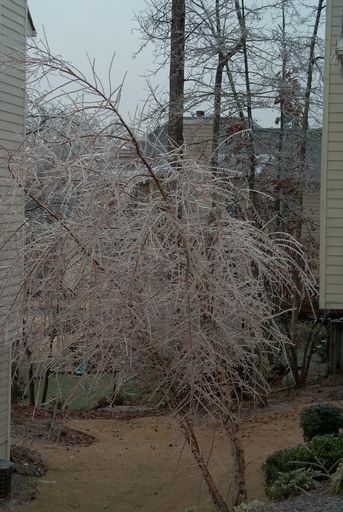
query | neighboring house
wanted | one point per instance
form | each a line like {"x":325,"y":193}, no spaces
{"x":266,"y":146}
{"x":233,"y":157}
{"x":331,"y":248}
{"x":15,"y":25}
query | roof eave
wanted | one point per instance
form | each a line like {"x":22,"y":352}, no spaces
{"x":31,"y":29}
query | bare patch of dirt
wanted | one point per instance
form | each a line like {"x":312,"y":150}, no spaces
{"x":143,"y":464}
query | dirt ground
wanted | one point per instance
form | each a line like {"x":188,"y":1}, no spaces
{"x":143,"y":464}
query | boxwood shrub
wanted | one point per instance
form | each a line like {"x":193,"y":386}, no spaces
{"x":320,"y":419}
{"x":281,"y":461}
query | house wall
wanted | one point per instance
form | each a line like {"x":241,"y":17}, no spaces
{"x":13,"y":20}
{"x":198,"y":136}
{"x":198,"y":144}
{"x":331,"y":252}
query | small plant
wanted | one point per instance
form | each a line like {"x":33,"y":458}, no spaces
{"x":325,"y":452}
{"x":321,"y":419}
{"x":60,"y":404}
{"x":292,"y":483}
{"x":322,"y":453}
{"x":102,"y":403}
{"x":337,"y":480}
{"x":253,"y":506}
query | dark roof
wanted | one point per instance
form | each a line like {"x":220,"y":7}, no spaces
{"x":267,"y":140}
{"x":266,"y":146}
{"x":31,"y":28}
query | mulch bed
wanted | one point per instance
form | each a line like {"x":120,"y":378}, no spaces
{"x":48,"y":425}
{"x":120,"y":412}
{"x":27,"y":462}
{"x":51,"y":431}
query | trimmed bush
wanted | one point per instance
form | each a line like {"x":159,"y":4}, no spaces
{"x":321,"y":454}
{"x":321,"y":419}
{"x":292,"y":483}
{"x":337,"y":481}
{"x":281,"y":461}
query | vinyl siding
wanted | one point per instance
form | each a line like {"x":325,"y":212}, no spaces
{"x":198,"y":137}
{"x":13,"y":21}
{"x":331,"y":237}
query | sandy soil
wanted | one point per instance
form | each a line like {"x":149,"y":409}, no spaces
{"x":144,"y":465}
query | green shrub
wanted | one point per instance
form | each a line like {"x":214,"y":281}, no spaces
{"x":321,"y":419}
{"x":292,"y":483}
{"x":337,"y":480}
{"x":326,"y":450}
{"x":322,"y":454}
{"x":281,"y":461}
{"x":252,"y":506}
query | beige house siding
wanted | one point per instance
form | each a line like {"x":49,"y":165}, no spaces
{"x":331,"y":239}
{"x":13,"y":29}
{"x":198,"y":136}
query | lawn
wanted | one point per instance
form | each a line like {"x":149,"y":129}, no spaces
{"x":84,"y":392}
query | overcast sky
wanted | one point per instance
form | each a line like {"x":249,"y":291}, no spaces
{"x":99,"y":28}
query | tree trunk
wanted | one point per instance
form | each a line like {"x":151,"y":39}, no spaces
{"x":176,"y":75}
{"x":240,"y":12}
{"x":192,"y":440}
{"x":217,"y":94}
{"x":45,"y":386}
{"x":15,"y":389}
{"x":231,"y":430}
{"x":48,"y":370}
{"x":235,"y":93}
{"x":302,"y":149}
{"x":32,"y":390}
{"x":217,"y":111}
{"x":278,"y":190}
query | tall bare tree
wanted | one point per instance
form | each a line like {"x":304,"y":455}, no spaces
{"x":138,"y":288}
{"x":176,"y":74}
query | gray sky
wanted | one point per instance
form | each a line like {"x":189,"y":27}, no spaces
{"x":100,"y":28}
